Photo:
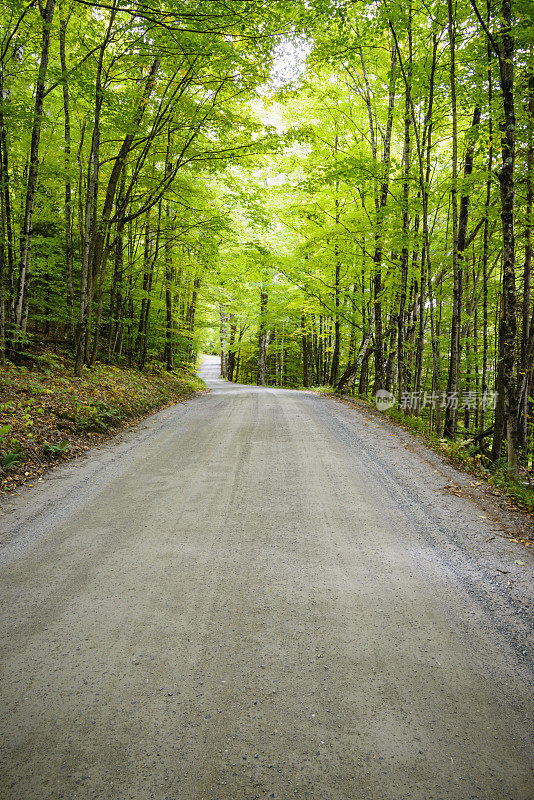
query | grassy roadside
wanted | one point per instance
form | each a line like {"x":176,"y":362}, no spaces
{"x":48,"y":415}
{"x":461,"y":454}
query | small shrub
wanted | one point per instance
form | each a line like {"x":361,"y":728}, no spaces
{"x":99,"y":418}
{"x":56,"y":449}
{"x":13,"y":459}
{"x":4,"y":430}
{"x":45,"y":362}
{"x":14,"y":456}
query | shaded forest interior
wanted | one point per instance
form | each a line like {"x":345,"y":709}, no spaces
{"x":327,"y":193}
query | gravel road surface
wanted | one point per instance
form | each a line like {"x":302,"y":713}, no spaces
{"x":262,"y":594}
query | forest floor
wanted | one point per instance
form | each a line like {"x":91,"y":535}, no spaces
{"x":262,"y":593}
{"x":48,"y":415}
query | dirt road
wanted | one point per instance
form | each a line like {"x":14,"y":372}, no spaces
{"x":261,"y":594}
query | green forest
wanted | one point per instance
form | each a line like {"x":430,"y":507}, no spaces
{"x":328,"y":193}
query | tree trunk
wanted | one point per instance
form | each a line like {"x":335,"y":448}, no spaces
{"x":223,"y":333}
{"x":451,"y":411}
{"x":88,"y":211}
{"x":525,"y":329}
{"x":334,"y":367}
{"x":231,"y":348}
{"x":506,"y":416}
{"x":380,"y":205}
{"x":6,"y":229}
{"x":190,"y":317}
{"x":307,"y":354}
{"x":485,"y":250}
{"x":263,"y":337}
{"x":405,"y":216}
{"x":68,"y":187}
{"x":169,"y":323}
{"x":23,"y":292}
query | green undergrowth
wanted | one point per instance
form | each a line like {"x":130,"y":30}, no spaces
{"x":465,"y":455}
{"x":47,"y":414}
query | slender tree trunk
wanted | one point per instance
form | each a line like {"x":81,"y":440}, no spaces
{"x":68,"y":186}
{"x":485,"y":251}
{"x":231,"y":348}
{"x":88,"y":212}
{"x":148,"y":265}
{"x":97,"y":226}
{"x":6,"y":227}
{"x":380,"y":203}
{"x":307,"y":353}
{"x":525,"y":368}
{"x":426,"y":261}
{"x":119,"y":304}
{"x":424,"y":179}
{"x":169,"y":301}
{"x":334,"y":367}
{"x":190,"y":316}
{"x":96,"y":336}
{"x":24,"y":278}
{"x":451,"y":412}
{"x":420,"y":343}
{"x":506,"y":411}
{"x":2,"y":275}
{"x":116,"y":301}
{"x":405,"y":215}
{"x":223,"y":332}
{"x":264,"y":336}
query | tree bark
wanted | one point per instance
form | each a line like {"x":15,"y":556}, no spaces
{"x":24,"y":277}
{"x":263,"y":336}
{"x":190,"y":317}
{"x":231,"y":347}
{"x":485,"y":248}
{"x":380,"y":204}
{"x":506,"y":415}
{"x":307,"y":354}
{"x":223,"y":332}
{"x":6,"y":229}
{"x":68,"y":186}
{"x":526,"y":311}
{"x":334,"y":367}
{"x":405,"y":214}
{"x":451,"y":411}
